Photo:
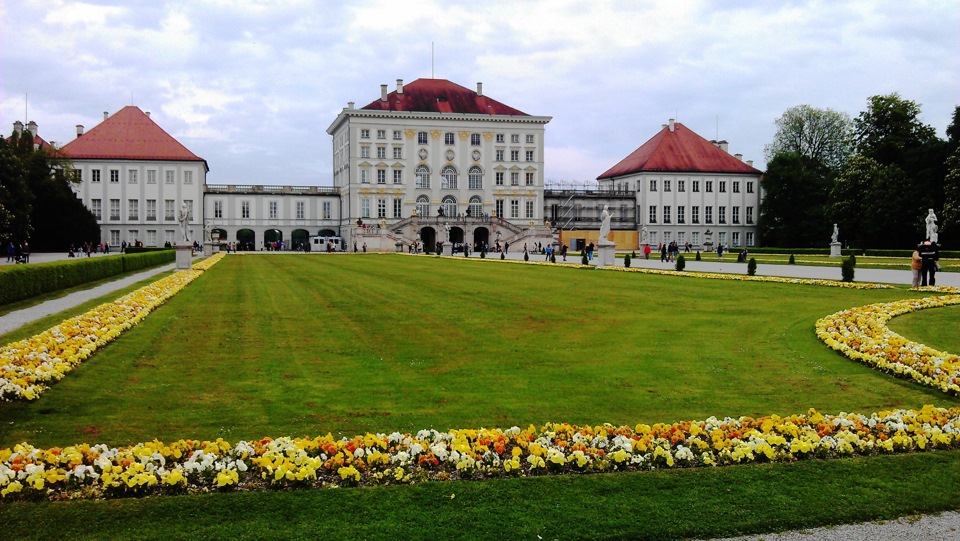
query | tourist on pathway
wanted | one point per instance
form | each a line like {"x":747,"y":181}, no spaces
{"x":916,"y":263}
{"x":930,"y":256}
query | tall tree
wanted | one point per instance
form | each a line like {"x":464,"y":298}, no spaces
{"x":822,"y":135}
{"x":15,"y":195}
{"x":950,"y":217}
{"x":890,"y":129}
{"x":792,"y":212}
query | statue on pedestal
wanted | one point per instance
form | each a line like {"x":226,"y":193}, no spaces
{"x":605,"y":217}
{"x":446,"y":227}
{"x":836,"y":234}
{"x":932,"y":227}
{"x":183,"y":216}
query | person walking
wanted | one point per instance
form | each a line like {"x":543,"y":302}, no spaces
{"x":663,"y":253}
{"x":930,"y":257}
{"x":719,"y":251}
{"x":10,"y":252}
{"x":916,"y":263}
{"x":646,"y":251}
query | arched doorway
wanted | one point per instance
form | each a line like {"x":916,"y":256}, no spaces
{"x":480,"y":236}
{"x":217,"y":235}
{"x":327,"y":233}
{"x":271,"y":236}
{"x":456,"y":234}
{"x":246,"y":239}
{"x":428,"y":236}
{"x":300,"y":238}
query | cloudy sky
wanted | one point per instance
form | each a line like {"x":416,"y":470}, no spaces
{"x":252,"y":85}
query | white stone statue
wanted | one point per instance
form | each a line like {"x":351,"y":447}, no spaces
{"x":932,"y":227}
{"x":446,"y":228}
{"x":605,"y":217}
{"x":208,"y":231}
{"x":183,"y":216}
{"x":643,"y":235}
{"x":835,"y":235}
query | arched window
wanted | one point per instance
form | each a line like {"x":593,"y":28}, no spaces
{"x":449,"y":204}
{"x":475,"y":178}
{"x":448,"y":178}
{"x":423,"y":206}
{"x":476,"y":206}
{"x":423,"y":176}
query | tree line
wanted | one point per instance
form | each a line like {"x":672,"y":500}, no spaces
{"x":37,"y":204}
{"x":875,"y":176}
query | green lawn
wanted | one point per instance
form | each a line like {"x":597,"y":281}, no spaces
{"x":301,"y":345}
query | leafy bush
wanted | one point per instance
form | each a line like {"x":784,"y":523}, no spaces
{"x":626,"y":261}
{"x":791,"y":261}
{"x":503,"y":255}
{"x":526,"y":256}
{"x":752,"y":266}
{"x":483,"y":254}
{"x":583,"y":258}
{"x":681,"y":262}
{"x":846,"y":269}
{"x":553,"y":258}
{"x":698,"y":255}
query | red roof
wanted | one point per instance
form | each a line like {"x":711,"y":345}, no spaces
{"x":441,"y":96}
{"x":680,"y":151}
{"x":129,"y":134}
{"x":38,"y":141}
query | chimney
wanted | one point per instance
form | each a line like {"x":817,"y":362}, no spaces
{"x":79,"y":130}
{"x":105,"y":115}
{"x":383,"y":92}
{"x":18,"y":127}
{"x":479,"y":88}
{"x":350,"y":104}
{"x":738,"y":156}
{"x":750,"y":163}
{"x":672,"y":127}
{"x":32,"y":128}
{"x":399,"y":86}
{"x":723,"y":145}
{"x":147,"y":113}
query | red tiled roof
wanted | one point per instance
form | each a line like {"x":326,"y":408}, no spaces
{"x":680,"y":151}
{"x":38,"y":141}
{"x":441,"y":96}
{"x":128,"y":134}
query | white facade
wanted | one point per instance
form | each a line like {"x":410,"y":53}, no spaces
{"x":138,"y":200}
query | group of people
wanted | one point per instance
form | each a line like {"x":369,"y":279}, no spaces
{"x":18,"y":253}
{"x":925,"y":263}
{"x":88,"y":248}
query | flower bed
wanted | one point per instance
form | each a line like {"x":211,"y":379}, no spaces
{"x":86,"y":471}
{"x":28,"y":367}
{"x":861,"y":334}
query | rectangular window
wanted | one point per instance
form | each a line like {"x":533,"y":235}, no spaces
{"x":169,"y":235}
{"x":245,"y":209}
{"x":681,"y":185}
{"x":96,"y":207}
{"x":151,"y":237}
{"x":695,"y":237}
{"x":499,"y":178}
{"x":530,"y":177}
{"x":365,"y":207}
{"x":397,"y":153}
{"x":666,"y":214}
{"x":529,"y":155}
{"x":499,"y":207}
{"x":152,"y":210}
{"x":680,"y":237}
{"x":132,"y":237}
{"x":653,"y":237}
{"x":749,"y":238}
{"x":132,"y":176}
{"x":397,"y":135}
{"x":169,"y":177}
{"x":381,"y":153}
{"x":327,"y":209}
{"x":514,"y":155}
{"x":169,"y":212}
{"x":708,"y":215}
{"x":365,"y":176}
{"x":750,"y":190}
{"x":500,"y":138}
{"x":114,"y":176}
{"x":217,"y":209}
{"x":529,"y":205}
{"x":514,"y":178}
{"x":680,"y":215}
{"x":514,"y":138}
{"x":696,"y":186}
{"x":736,"y":186}
{"x":381,"y":208}
{"x":272,"y":210}
{"x":723,"y":237}
{"x":381,"y":176}
{"x":397,"y":208}
{"x":514,"y":207}
{"x":723,"y":186}
{"x":653,"y":214}
{"x":529,"y":138}
{"x":499,"y":156}
{"x":95,"y":176}
{"x":750,"y":215}
{"x":188,"y":177}
{"x":421,"y":137}
{"x":736,"y":215}
{"x":709,"y":186}
{"x":151,"y":176}
{"x":653,"y":185}
{"x":364,"y":134}
{"x":736,"y":238}
{"x":398,"y":176}
{"x":666,"y":237}
{"x":694,"y":215}
{"x":115,"y":209}
{"x":114,"y":237}
{"x":381,"y":134}
{"x":666,"y":185}
{"x":722,"y":215}
{"x":475,"y":139}
{"x":448,"y":138}
{"x":364,"y":151}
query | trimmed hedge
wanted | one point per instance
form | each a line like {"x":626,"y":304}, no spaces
{"x":142,"y":249}
{"x":18,"y":282}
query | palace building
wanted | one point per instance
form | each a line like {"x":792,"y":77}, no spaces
{"x":430,"y":161}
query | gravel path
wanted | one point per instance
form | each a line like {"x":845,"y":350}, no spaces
{"x":938,"y":527}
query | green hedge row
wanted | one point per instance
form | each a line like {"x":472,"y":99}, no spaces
{"x":18,"y":282}
{"x":142,"y":249}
